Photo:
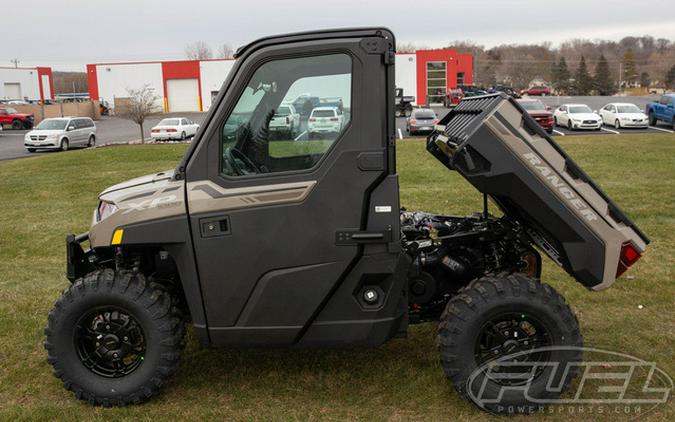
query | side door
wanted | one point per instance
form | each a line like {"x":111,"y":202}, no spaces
{"x":284,"y":229}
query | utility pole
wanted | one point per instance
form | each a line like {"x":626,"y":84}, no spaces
{"x":16,"y":62}
{"x":620,"y":86}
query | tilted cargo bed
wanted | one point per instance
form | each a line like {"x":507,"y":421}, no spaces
{"x":502,"y":151}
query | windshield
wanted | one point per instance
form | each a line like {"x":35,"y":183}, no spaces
{"x":283,"y":111}
{"x":580,"y":109}
{"x":11,"y":110}
{"x":323,"y":113}
{"x":425,"y":114}
{"x":52,"y":124}
{"x":533,"y":105}
{"x":168,"y":122}
{"x":628,"y":108}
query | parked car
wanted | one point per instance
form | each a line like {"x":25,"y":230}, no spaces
{"x":538,"y":91}
{"x":286,"y":120}
{"x":324,"y":120}
{"x":403,"y":104}
{"x":539,"y":112}
{"x":9,"y":116}
{"x":472,"y":90}
{"x":453,"y":97}
{"x":174,"y":128}
{"x":61,"y":133}
{"x":662,"y":110}
{"x":577,"y":116}
{"x":505,"y":89}
{"x":421,"y":120}
{"x":623,"y":115}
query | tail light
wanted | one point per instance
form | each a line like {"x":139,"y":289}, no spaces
{"x":627,"y":258}
{"x":171,"y":130}
{"x":154,"y":130}
{"x":413,"y":121}
{"x":333,"y":119}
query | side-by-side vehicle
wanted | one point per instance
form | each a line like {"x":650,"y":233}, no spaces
{"x":285,"y":243}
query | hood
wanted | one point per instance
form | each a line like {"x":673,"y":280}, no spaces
{"x":146,"y":198}
{"x":43,"y":132}
{"x":584,"y":116}
{"x":632,"y":116}
{"x":138,"y":181}
{"x":539,"y":112}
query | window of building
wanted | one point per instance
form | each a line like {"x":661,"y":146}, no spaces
{"x":436,"y":82}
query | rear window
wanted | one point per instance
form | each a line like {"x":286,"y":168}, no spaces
{"x":425,"y":114}
{"x":283,"y":111}
{"x":168,"y":122}
{"x":323,"y":113}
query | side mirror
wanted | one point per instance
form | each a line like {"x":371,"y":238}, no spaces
{"x":71,"y":127}
{"x":595,"y":111}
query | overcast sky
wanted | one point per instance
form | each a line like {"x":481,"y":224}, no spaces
{"x":67,"y":34}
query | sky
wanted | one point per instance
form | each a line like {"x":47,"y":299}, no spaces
{"x":68,"y":34}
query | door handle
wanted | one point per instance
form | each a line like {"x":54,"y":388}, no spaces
{"x":355,"y":236}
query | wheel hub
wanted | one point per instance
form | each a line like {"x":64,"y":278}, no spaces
{"x":109,"y":342}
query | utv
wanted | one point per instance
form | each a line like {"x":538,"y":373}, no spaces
{"x":298,"y":243}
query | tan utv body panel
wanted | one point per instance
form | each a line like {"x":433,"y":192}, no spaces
{"x":157,"y":196}
{"x":585,"y":201}
{"x":142,"y":199}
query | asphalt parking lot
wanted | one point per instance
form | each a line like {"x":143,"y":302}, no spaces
{"x":114,"y":130}
{"x":109,"y":130}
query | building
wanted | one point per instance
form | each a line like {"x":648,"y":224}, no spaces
{"x":192,"y":85}
{"x":26,"y":83}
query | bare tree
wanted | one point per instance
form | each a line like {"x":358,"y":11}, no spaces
{"x":142,"y":103}
{"x":198,"y":51}
{"x":225,"y":51}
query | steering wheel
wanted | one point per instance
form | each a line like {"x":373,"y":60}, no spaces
{"x":233,"y":154}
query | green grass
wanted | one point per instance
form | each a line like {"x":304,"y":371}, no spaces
{"x":43,"y":198}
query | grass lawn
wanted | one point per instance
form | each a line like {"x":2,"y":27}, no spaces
{"x":44,"y":198}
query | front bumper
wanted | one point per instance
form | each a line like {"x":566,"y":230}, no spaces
{"x":587,"y":125}
{"x":77,"y":259}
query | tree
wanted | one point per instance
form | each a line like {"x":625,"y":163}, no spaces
{"x":225,"y":51}
{"x":604,"y":84}
{"x":561,"y":77}
{"x":142,"y":103}
{"x":670,"y":78}
{"x":645,"y":81}
{"x":198,"y":51}
{"x":583,"y":83}
{"x":630,"y":73}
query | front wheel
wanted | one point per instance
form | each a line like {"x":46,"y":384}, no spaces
{"x":617,"y":124}
{"x":569,"y":124}
{"x":652,"y":119}
{"x":113,"y":338}
{"x":64,"y":145}
{"x":503,"y":339}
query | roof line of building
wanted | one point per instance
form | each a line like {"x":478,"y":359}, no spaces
{"x":158,"y":61}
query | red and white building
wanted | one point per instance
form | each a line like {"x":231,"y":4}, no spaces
{"x":26,"y":83}
{"x":192,"y":85}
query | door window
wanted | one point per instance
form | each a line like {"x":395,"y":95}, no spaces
{"x":436,"y":82}
{"x":257,"y":138}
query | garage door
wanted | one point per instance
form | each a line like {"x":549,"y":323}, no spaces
{"x":13,"y":90}
{"x":183,"y":94}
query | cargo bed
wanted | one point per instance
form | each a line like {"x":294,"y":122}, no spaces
{"x":502,"y":151}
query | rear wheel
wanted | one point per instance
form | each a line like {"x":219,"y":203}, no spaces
{"x":113,"y":338}
{"x":92,"y":141}
{"x":555,"y":121}
{"x":492,"y":333}
{"x":17,"y":124}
